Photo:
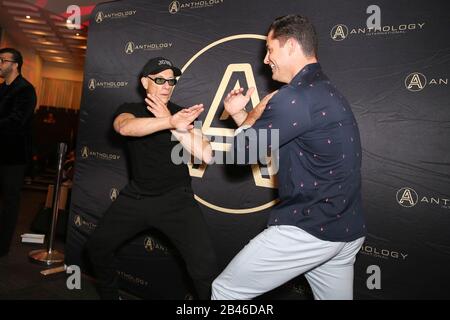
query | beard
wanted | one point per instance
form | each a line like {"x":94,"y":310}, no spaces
{"x":5,"y":72}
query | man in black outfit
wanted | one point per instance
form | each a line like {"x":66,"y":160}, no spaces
{"x":17,"y":103}
{"x":159,"y":193}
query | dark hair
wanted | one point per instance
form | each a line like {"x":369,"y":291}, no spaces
{"x":17,"y":57}
{"x":297,"y":27}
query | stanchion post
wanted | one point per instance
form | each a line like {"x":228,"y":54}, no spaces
{"x":50,"y":256}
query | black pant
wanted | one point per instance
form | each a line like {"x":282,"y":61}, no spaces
{"x":176,"y":214}
{"x":11,"y":180}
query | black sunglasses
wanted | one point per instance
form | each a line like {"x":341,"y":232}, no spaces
{"x":161,"y":81}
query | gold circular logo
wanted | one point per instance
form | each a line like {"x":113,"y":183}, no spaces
{"x":407,"y":197}
{"x":339,"y":32}
{"x":92,"y":84}
{"x":129,"y":47}
{"x":261,"y":182}
{"x":84,"y":152}
{"x":415,"y":81}
{"x":113,"y":194}
{"x":99,"y":17}
{"x":149,"y":244}
{"x":174,"y":7}
{"x":77,"y":221}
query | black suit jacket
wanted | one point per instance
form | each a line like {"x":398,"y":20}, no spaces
{"x":17,"y":103}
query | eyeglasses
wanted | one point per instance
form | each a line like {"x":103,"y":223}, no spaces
{"x":161,"y":81}
{"x":2,"y":60}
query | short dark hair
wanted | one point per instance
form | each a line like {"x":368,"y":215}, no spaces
{"x":17,"y":56}
{"x":297,"y":27}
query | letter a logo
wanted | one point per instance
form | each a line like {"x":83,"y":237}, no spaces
{"x":77,"y":221}
{"x":416,"y":81}
{"x":91,"y":84}
{"x":208,"y":129}
{"x":113,"y":194}
{"x":174,"y":7}
{"x":99,"y":17}
{"x":407,"y":197}
{"x":149,"y":244}
{"x":129,"y":48}
{"x":339,"y":32}
{"x":85,"y":152}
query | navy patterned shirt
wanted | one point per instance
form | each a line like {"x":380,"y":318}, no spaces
{"x":319,"y":178}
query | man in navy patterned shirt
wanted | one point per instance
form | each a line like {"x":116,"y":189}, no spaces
{"x":318,"y":226}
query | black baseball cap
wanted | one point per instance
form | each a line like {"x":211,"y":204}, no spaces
{"x":159,"y":64}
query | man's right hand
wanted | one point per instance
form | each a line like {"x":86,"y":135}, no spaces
{"x":182,"y":120}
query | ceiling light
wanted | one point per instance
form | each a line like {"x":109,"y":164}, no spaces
{"x":28,"y":17}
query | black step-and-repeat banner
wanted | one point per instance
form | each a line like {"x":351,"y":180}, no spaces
{"x":391,"y":59}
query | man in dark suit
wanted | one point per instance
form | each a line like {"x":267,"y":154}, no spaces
{"x":17,"y":103}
